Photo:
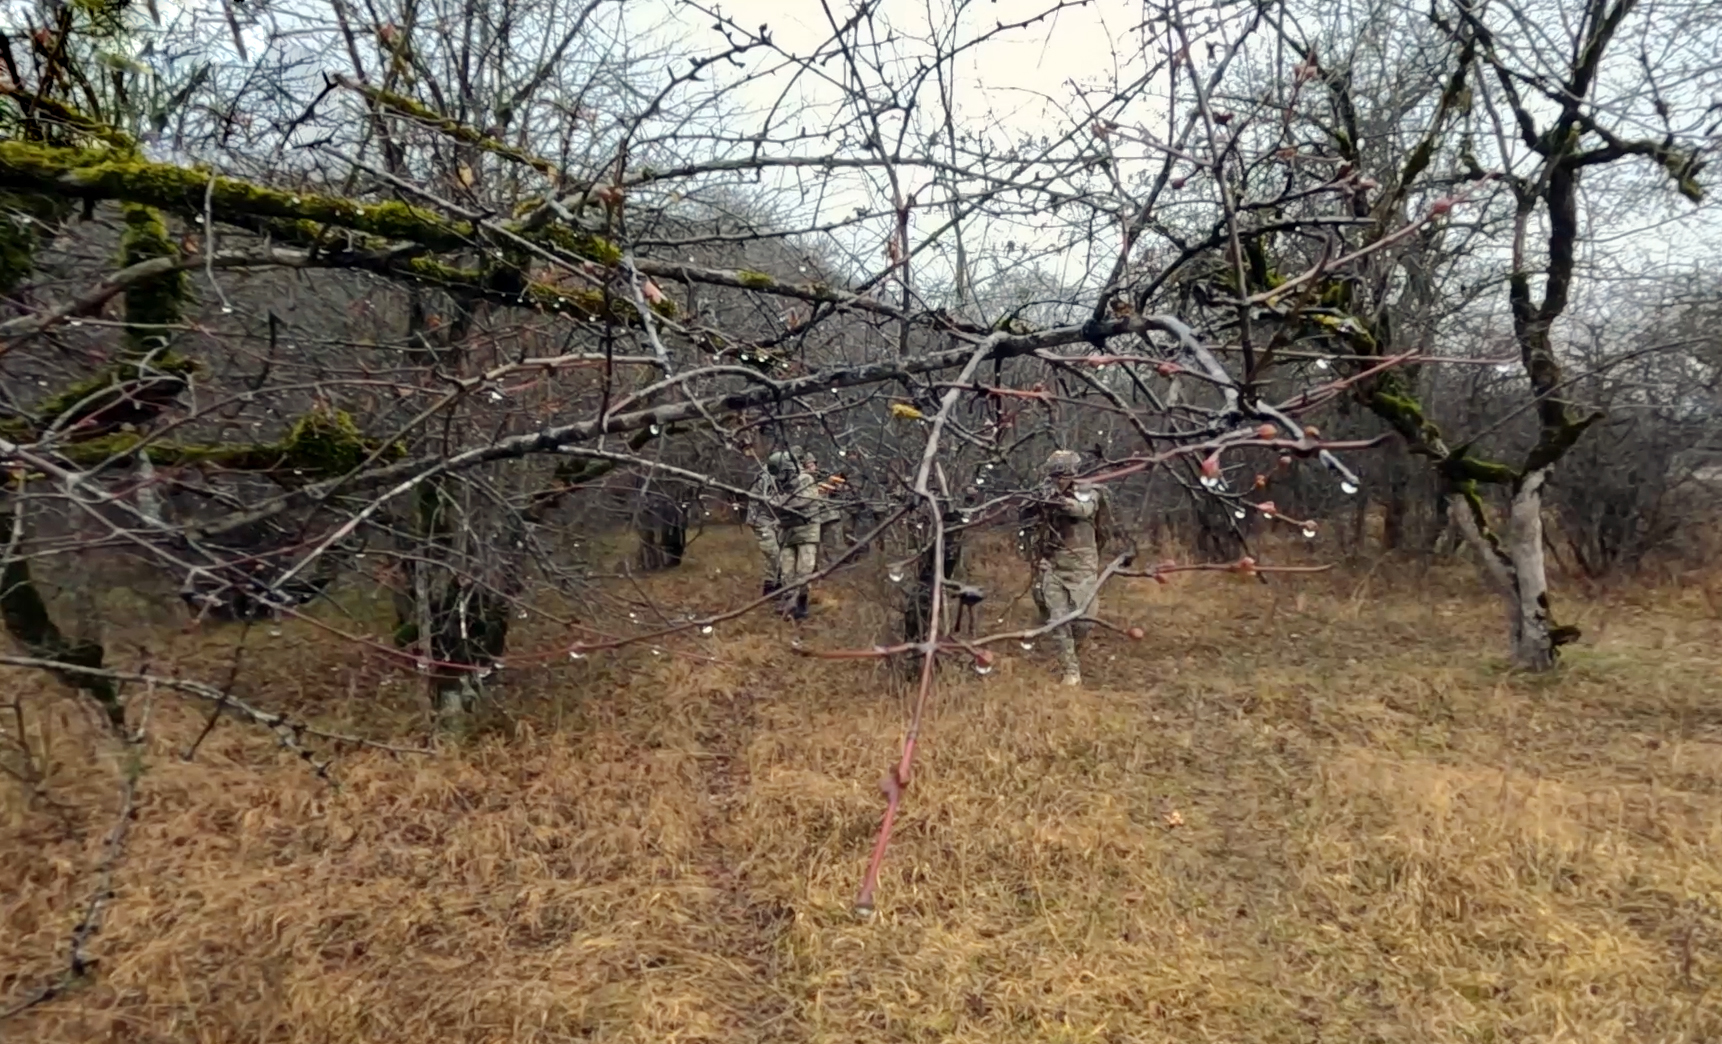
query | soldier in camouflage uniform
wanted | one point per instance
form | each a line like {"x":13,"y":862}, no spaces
{"x":830,"y":515}
{"x":1066,"y":530}
{"x":798,"y":551}
{"x":762,"y":515}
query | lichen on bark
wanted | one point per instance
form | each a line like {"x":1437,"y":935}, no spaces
{"x":129,"y":391}
{"x":21,"y":213}
{"x":156,"y":303}
{"x":321,"y":444}
{"x":97,"y":172}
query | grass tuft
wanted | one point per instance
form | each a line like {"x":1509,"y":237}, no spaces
{"x":1314,"y":810}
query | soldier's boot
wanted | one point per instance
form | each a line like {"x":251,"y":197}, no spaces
{"x":800,"y":610}
{"x":1067,"y":657}
{"x":767,"y":588}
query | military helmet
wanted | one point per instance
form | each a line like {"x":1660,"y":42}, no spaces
{"x":1062,"y":462}
{"x":780,"y":463}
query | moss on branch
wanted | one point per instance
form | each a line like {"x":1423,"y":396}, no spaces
{"x":582,"y":244}
{"x":1684,"y":170}
{"x":1461,"y":467}
{"x":507,"y":284}
{"x":20,"y":214}
{"x":455,"y":129}
{"x":1557,"y":439}
{"x":97,"y":173}
{"x":106,"y":173}
{"x":130,"y":391}
{"x":370,"y":234}
{"x":157,"y":302}
{"x":1467,"y":490}
{"x":66,"y":117}
{"x":321,"y":444}
{"x":1389,"y":397}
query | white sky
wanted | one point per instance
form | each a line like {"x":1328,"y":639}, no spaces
{"x":1019,"y":84}
{"x":1022,"y":84}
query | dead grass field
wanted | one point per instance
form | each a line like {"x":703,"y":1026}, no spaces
{"x":1385,"y":837}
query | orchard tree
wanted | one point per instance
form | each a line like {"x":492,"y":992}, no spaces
{"x":436,"y":294}
{"x":1478,"y":133}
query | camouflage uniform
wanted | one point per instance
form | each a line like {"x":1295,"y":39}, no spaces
{"x":829,"y":517}
{"x":798,"y":551}
{"x":762,"y":517}
{"x":1066,"y":532}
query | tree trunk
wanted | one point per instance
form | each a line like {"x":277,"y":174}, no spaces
{"x":25,"y":614}
{"x":1514,"y":563}
{"x":1393,"y":510}
{"x":1359,"y":525}
{"x":918,"y":604}
{"x":661,"y":523}
{"x":1216,"y":532}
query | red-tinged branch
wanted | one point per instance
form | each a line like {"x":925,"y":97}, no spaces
{"x":898,"y":778}
{"x":1313,"y":397}
{"x":1305,"y":447}
{"x":895,"y":782}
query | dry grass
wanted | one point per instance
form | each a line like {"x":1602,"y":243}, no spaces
{"x":1384,"y":837}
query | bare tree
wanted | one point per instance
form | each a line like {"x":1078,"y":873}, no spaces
{"x":1490,"y":115}
{"x":435,"y":293}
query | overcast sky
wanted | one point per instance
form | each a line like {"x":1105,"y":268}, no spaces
{"x":1020,"y":84}
{"x":1023,"y":84}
